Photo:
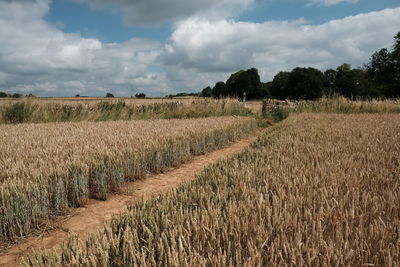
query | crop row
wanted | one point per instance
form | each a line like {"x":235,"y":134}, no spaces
{"x":37,"y":111}
{"x":48,"y":168}
{"x":278,"y":110}
{"x":315,"y":190}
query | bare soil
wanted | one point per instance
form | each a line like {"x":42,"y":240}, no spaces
{"x":95,"y":214}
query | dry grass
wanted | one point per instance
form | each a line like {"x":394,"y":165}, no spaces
{"x":278,"y":110}
{"x":315,"y":190}
{"x":346,"y":106}
{"x":91,"y":100}
{"x":255,"y":106}
{"x":59,"y":110}
{"x":46,"y":168}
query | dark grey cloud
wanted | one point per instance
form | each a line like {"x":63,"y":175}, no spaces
{"x":150,"y":12}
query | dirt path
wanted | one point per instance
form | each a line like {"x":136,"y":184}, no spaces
{"x":95,"y":214}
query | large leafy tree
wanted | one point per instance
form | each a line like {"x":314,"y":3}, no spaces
{"x":300,"y":83}
{"x":206,"y":92}
{"x":219,"y":90}
{"x":305,"y":83}
{"x":353,"y":83}
{"x":384,"y":69}
{"x":266,"y":90}
{"x":329,"y":82}
{"x":345,"y":83}
{"x":279,"y":85}
{"x":244,"y":82}
{"x":330,"y":78}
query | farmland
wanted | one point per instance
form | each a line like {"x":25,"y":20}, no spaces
{"x":102,"y":109}
{"x":315,"y":189}
{"x":199,"y":133}
{"x":48,"y":168}
{"x":278,"y":110}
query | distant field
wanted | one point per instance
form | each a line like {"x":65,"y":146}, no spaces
{"x":32,"y":110}
{"x":71,"y":100}
{"x":46,"y":168}
{"x":279,"y":110}
{"x":314,"y":190}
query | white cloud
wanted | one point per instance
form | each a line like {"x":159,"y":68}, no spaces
{"x":150,"y":12}
{"x":38,"y":58}
{"x":225,"y":46}
{"x":332,"y":2}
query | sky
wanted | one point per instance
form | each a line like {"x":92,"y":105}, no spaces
{"x":159,"y":47}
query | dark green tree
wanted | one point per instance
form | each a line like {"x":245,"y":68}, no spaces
{"x":346,"y":81}
{"x":330,"y":78}
{"x":300,"y":83}
{"x":344,"y":84}
{"x":2,"y":94}
{"x":16,"y":95}
{"x":353,"y":83}
{"x":109,"y":95}
{"x":384,"y":69}
{"x":396,"y":60}
{"x":219,"y":90}
{"x":244,"y":82}
{"x":266,"y":90}
{"x":305,"y":83}
{"x":140,"y":95}
{"x":329,"y":82}
{"x":206,"y":92}
{"x":279,"y":85}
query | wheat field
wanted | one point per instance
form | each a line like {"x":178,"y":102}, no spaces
{"x":47,"y":168}
{"x":314,"y":190}
{"x":91,"y":100}
{"x":64,"y":110}
{"x":278,"y":110}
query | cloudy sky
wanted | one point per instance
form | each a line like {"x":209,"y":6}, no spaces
{"x":159,"y":47}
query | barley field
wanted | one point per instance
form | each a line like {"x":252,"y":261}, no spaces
{"x":47,"y":168}
{"x":314,"y":190}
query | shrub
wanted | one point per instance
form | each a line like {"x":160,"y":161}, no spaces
{"x":15,"y":113}
{"x":140,"y":95}
{"x":279,"y":114}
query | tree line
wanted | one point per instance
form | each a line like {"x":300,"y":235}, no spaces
{"x":379,"y":78}
{"x":14,"y":95}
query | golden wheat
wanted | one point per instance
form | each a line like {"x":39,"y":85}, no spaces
{"x":315,"y":190}
{"x":37,"y":111}
{"x":276,"y":108}
{"x":46,"y":168}
{"x":91,"y":100}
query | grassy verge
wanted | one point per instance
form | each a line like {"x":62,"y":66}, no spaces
{"x":315,"y":190}
{"x":279,"y":110}
{"x":48,"y":168}
{"x":37,"y":111}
